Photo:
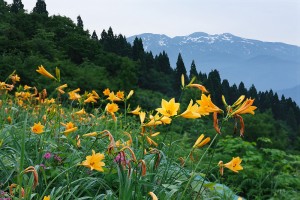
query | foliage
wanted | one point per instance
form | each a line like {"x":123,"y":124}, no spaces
{"x":17,"y":6}
{"x":40,"y":7}
{"x":28,"y":40}
{"x":269,"y":148}
{"x":48,"y":155}
{"x":271,"y":173}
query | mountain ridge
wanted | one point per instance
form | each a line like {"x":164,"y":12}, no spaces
{"x":201,"y":37}
{"x":267,"y":65}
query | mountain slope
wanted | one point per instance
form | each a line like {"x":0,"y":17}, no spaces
{"x":267,"y":65}
{"x":293,"y":92}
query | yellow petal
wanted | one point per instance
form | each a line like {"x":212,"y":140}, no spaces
{"x":155,"y":134}
{"x":200,"y":138}
{"x":130,"y":94}
{"x":182,"y":80}
{"x":44,"y":72}
{"x":142,"y":117}
{"x":92,"y":134}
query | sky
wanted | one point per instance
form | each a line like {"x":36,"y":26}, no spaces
{"x":265,"y":20}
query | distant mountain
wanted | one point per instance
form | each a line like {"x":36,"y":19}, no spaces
{"x":267,"y":65}
{"x":293,"y":92}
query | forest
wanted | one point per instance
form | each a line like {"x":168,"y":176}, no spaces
{"x":90,"y":61}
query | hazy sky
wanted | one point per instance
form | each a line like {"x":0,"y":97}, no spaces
{"x":266,"y":20}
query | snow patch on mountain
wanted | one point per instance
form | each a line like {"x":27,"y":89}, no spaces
{"x":267,"y":65}
{"x":162,"y":43}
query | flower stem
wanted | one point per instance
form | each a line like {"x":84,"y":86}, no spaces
{"x":193,"y":172}
{"x":22,"y":157}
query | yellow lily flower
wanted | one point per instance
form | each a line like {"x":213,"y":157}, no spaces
{"x":26,"y":87}
{"x":90,"y":99}
{"x":73,"y":95}
{"x":95,"y":94}
{"x":153,"y":122}
{"x":44,"y":72}
{"x":207,"y":106}
{"x":130,"y":94}
{"x":120,"y":94}
{"x":61,"y":88}
{"x":112,"y":97}
{"x":224,"y":101}
{"x":150,"y":141}
{"x":165,"y":120}
{"x":49,"y":101}
{"x":200,"y":142}
{"x":94,"y":161}
{"x":15,"y":78}
{"x":92,"y":134}
{"x":76,"y":90}
{"x":168,"y":109}
{"x":80,"y":112}
{"x":246,"y":107}
{"x":239,"y":101}
{"x":157,"y":120}
{"x":106,"y":92}
{"x":191,"y":111}
{"x":155,"y":134}
{"x":234,"y":165}
{"x":136,"y":111}
{"x":37,"y":128}
{"x":70,"y":127}
{"x":46,"y":197}
{"x":112,"y":107}
{"x":182,"y":80}
{"x":142,"y":116}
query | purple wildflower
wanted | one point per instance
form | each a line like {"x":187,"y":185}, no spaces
{"x":47,"y":155}
{"x":56,"y":157}
{"x":121,"y":159}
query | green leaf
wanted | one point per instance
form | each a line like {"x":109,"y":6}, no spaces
{"x":209,"y":185}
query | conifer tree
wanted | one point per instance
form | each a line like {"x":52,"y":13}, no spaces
{"x":103,"y":35}
{"x":137,"y":49}
{"x":253,"y":92}
{"x":242,"y":89}
{"x":109,"y":41}
{"x":193,"y":71}
{"x":123,"y":48}
{"x":214,"y":86}
{"x":17,"y":6}
{"x":40,"y":7}
{"x":162,"y":63}
{"x":202,"y":78}
{"x":275,"y":107}
{"x":226,"y":90}
{"x":3,"y":8}
{"x":146,"y":67}
{"x":95,"y":36}
{"x":110,"y":34}
{"x":179,"y":70}
{"x":233,"y":94}
{"x":79,"y":22}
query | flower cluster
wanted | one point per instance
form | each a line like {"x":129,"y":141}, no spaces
{"x":95,"y":123}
